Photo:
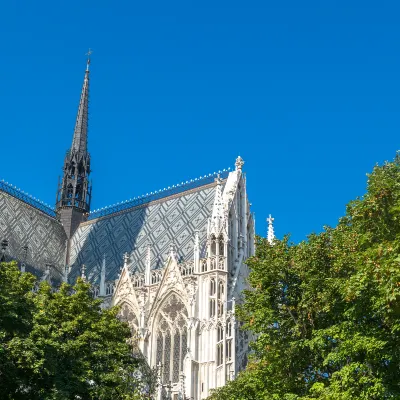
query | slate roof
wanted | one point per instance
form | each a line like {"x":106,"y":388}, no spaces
{"x":162,"y":222}
{"x":24,"y":224}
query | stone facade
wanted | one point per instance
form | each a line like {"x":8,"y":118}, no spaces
{"x":182,"y":315}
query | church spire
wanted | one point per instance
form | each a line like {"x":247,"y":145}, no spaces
{"x":79,"y":141}
{"x":74,"y":191}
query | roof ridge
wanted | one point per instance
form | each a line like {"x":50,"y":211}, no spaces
{"x":12,"y":190}
{"x":158,"y":194}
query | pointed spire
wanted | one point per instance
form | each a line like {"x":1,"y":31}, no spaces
{"x":126,"y":260}
{"x":218,"y":213}
{"x":102,"y":291}
{"x":83,"y":272}
{"x":271,"y":233}
{"x":239,"y":163}
{"x":196,"y":250}
{"x":66,"y":273}
{"x":74,"y":191}
{"x":147,"y":275}
{"x":79,"y":141}
{"x":46,"y":275}
{"x":172,"y":251}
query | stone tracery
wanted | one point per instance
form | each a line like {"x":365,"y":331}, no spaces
{"x":171,"y":344}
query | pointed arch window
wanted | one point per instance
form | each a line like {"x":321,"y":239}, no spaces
{"x":221,"y":297}
{"x":213,"y":292}
{"x":220,"y":344}
{"x":127,"y":315}
{"x":171,"y":338}
{"x":229,"y":340}
{"x":221,"y":244}
{"x":213,"y":245}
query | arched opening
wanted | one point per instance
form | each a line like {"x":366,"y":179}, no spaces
{"x":220,"y":345}
{"x":221,"y":245}
{"x":221,"y":298}
{"x":171,"y":338}
{"x":127,"y":315}
{"x":213,"y":245}
{"x":213,"y":292}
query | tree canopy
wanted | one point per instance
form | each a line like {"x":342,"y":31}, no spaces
{"x":325,"y":312}
{"x":63,"y":345}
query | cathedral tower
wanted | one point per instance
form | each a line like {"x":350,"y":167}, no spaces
{"x":74,"y":191}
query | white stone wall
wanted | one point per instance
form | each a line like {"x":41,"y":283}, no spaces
{"x":192,"y":305}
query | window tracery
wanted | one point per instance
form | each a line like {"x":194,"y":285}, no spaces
{"x":127,"y":315}
{"x":220,"y":344}
{"x":221,"y":298}
{"x":213,"y":290}
{"x":171,"y":343}
{"x":221,"y":244}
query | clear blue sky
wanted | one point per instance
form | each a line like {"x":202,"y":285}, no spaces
{"x":307,"y":92}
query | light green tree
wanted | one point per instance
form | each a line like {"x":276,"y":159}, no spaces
{"x":326,"y":312}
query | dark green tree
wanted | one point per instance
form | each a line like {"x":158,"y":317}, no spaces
{"x":326,"y":312}
{"x":69,"y":347}
{"x":16,"y":315}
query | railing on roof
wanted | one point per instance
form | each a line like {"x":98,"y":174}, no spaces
{"x":182,"y":187}
{"x":175,"y":189}
{"x":19,"y":194}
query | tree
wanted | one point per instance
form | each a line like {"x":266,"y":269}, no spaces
{"x":74,"y":349}
{"x":326,"y":312}
{"x":16,"y":313}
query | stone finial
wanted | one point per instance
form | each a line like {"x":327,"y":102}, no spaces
{"x":148,"y":253}
{"x":147,"y":275}
{"x":239,"y":163}
{"x":271,"y":233}
{"x":102,"y":289}
{"x":83,"y":272}
{"x":218,"y":220}
{"x":172,"y":250}
{"x":4,"y":245}
{"x":126,"y":259}
{"x":46,"y":275}
{"x":24,"y":257}
{"x":66,"y":273}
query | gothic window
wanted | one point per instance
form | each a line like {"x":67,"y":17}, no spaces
{"x":220,"y":333}
{"x":171,"y":343}
{"x":213,"y":245}
{"x":212,"y":287}
{"x":229,"y":329}
{"x":229,"y":350}
{"x":220,"y":290}
{"x":220,"y":345}
{"x":221,"y":244}
{"x":221,"y":298}
{"x":229,"y":340}
{"x":213,"y":290}
{"x":109,"y":289}
{"x":127,"y":315}
{"x":212,"y":308}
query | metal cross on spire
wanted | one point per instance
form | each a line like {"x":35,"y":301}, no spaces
{"x":88,"y":54}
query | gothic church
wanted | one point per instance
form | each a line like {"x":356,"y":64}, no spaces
{"x":172,"y":259}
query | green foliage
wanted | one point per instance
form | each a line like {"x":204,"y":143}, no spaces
{"x":326,"y":312}
{"x":16,"y":309}
{"x":63,"y":345}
